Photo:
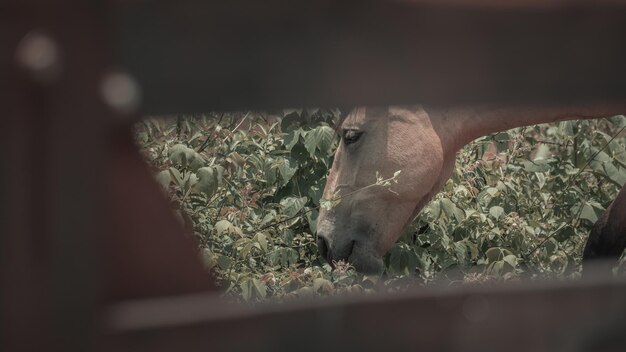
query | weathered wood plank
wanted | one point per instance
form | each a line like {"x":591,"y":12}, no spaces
{"x":586,"y":315}
{"x":195,"y":56}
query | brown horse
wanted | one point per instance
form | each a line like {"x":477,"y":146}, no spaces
{"x":421,"y":142}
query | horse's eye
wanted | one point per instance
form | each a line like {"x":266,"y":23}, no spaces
{"x":351,"y":136}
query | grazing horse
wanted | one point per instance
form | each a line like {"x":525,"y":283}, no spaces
{"x":420,"y":141}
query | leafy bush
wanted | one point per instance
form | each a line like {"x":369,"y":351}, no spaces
{"x":248,"y":186}
{"x":522,"y":200}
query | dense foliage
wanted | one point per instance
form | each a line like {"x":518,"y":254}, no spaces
{"x":248,"y":187}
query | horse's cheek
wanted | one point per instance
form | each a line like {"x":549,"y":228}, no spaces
{"x":422,"y":175}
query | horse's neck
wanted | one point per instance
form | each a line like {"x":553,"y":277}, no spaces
{"x":463,"y":125}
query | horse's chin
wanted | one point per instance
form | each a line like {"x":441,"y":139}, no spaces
{"x":366,"y":262}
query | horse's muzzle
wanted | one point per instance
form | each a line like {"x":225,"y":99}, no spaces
{"x":331,"y":251}
{"x":349,"y":251}
{"x":322,"y":247}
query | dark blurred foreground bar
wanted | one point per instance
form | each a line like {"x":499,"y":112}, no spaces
{"x":195,"y":56}
{"x":588,"y":315}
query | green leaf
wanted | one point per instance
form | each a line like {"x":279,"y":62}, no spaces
{"x":207,"y":180}
{"x":291,"y":138}
{"x":618,"y":120}
{"x":502,"y":141}
{"x":311,"y":218}
{"x":568,"y":127}
{"x":226,"y":227}
{"x":618,"y":176}
{"x":268,"y":217}
{"x":236,"y":159}
{"x":588,"y":213}
{"x":180,"y":154}
{"x":565,"y":233}
{"x":402,"y":260}
{"x":246,"y":248}
{"x":495,"y":254}
{"x":164,"y":178}
{"x":321,"y":138}
{"x":287,"y":168}
{"x":224,"y":262}
{"x":541,"y":179}
{"x":261,"y":239}
{"x":543,"y":152}
{"x":247,"y":289}
{"x":511,"y":260}
{"x":222,"y":226}
{"x":260,"y":289}
{"x":285,"y":257}
{"x":451,"y":210}
{"x":176,"y":176}
{"x":315,"y":192}
{"x":551,"y":246}
{"x":460,"y":251}
{"x":209,"y":259}
{"x":492,"y":191}
{"x":459,"y":214}
{"x":541,"y":165}
{"x":323,"y":284}
{"x":447,"y":206}
{"x":432,"y":212}
{"x":473,"y":249}
{"x":292,"y":205}
{"x":496,"y":212}
{"x":189,"y":181}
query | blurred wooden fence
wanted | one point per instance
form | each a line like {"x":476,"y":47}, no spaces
{"x":91,"y":258}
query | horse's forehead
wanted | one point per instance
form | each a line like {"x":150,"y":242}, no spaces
{"x":362,"y":115}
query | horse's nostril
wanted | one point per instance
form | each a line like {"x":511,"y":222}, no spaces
{"x":322,"y":247}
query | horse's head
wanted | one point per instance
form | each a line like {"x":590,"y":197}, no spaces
{"x":367,"y":221}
